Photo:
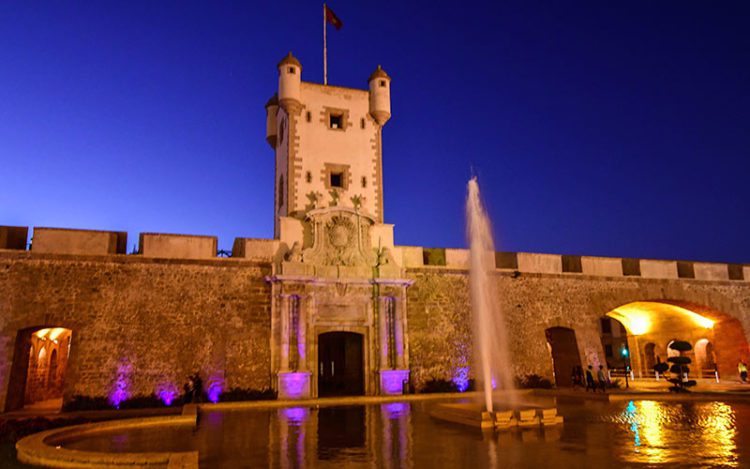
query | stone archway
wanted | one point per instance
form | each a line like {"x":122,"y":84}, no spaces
{"x":565,"y":355}
{"x":660,"y":322}
{"x":40,"y":362}
{"x":341,"y":364}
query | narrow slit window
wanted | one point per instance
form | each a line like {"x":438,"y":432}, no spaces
{"x":292,"y":70}
{"x":308,"y":177}
{"x":364,"y":182}
{"x":362,"y":122}
{"x":382,"y":83}
{"x":308,"y":116}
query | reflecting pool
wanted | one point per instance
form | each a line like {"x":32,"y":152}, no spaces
{"x":595,"y":434}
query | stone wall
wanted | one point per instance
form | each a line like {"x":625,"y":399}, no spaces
{"x":440,"y":323}
{"x":141,"y":325}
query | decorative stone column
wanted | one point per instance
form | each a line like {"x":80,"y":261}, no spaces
{"x":294,"y":381}
{"x":393,"y":372}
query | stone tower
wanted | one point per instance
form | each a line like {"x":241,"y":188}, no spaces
{"x":338,"y":316}
{"x":327,"y":143}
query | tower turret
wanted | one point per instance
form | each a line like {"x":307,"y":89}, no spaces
{"x":290,"y":73}
{"x":380,"y":96}
{"x":272,"y":107}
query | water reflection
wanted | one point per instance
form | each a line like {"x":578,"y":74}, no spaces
{"x":666,"y":432}
{"x":395,"y":435}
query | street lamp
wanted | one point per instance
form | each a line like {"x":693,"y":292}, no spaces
{"x":625,"y":354}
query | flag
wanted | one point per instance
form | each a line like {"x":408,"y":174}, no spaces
{"x":332,"y":18}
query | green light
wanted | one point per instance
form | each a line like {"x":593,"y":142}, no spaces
{"x":624,"y":352}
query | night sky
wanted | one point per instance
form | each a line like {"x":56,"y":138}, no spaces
{"x":598,"y":128}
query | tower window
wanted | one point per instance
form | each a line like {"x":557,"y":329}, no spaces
{"x":337,"y":179}
{"x":281,"y":191}
{"x":364,"y":182}
{"x":308,"y":116}
{"x":308,"y":177}
{"x":362,"y":122}
{"x":292,"y":70}
{"x":336,"y":121}
{"x":382,"y":83}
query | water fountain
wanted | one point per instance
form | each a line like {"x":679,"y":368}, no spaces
{"x":492,"y":357}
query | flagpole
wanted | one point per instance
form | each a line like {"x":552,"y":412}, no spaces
{"x":325,"y":49}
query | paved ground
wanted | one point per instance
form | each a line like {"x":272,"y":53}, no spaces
{"x":639,"y":388}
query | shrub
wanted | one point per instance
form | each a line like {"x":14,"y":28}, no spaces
{"x":86,"y":403}
{"x":438,"y":385}
{"x":533,"y":381}
{"x":240,"y":394}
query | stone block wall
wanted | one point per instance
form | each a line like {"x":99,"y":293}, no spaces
{"x":141,"y":325}
{"x":440,"y":322}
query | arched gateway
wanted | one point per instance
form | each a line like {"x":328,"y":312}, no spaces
{"x":40,"y":362}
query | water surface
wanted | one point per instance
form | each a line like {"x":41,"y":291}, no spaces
{"x":595,"y":434}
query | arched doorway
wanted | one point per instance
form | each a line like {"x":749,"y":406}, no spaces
{"x":704,"y":355}
{"x":37,"y":375}
{"x":564,"y":348}
{"x":340,"y":364}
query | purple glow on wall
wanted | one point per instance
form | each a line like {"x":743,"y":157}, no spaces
{"x":214,"y":391}
{"x":122,"y":382}
{"x":295,"y":384}
{"x":461,"y":378}
{"x":392,"y":381}
{"x":167,"y":394}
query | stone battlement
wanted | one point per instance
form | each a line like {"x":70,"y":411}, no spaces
{"x":178,"y":246}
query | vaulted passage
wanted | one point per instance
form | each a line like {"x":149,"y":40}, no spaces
{"x":40,"y":361}
{"x":340,"y":364}
{"x":565,"y":358}
{"x":718,"y":340}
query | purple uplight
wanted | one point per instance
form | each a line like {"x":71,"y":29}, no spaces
{"x":392,"y":381}
{"x":295,"y":385}
{"x":166,"y":393}
{"x":214,"y":391}
{"x":494,"y":383}
{"x":120,"y":391}
{"x":461,"y":378}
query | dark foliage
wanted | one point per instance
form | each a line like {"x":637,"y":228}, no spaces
{"x":239,"y":394}
{"x":679,"y":368}
{"x":86,"y":403}
{"x":533,"y":381}
{"x":438,"y":385}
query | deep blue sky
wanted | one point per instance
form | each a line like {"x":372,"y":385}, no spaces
{"x":600,"y":128}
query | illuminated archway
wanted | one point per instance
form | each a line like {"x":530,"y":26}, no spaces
{"x":40,"y":361}
{"x":718,"y":339}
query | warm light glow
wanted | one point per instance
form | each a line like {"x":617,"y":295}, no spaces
{"x":639,"y":317}
{"x":41,"y":333}
{"x":637,"y":322}
{"x":55,"y":333}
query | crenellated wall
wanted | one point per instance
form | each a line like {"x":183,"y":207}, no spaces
{"x":141,"y":323}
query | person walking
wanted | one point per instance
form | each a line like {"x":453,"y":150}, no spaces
{"x":590,"y":379}
{"x":602,"y":377}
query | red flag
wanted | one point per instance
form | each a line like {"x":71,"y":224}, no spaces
{"x":333,"y":19}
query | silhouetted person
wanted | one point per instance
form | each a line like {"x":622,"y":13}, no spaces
{"x":590,"y":379}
